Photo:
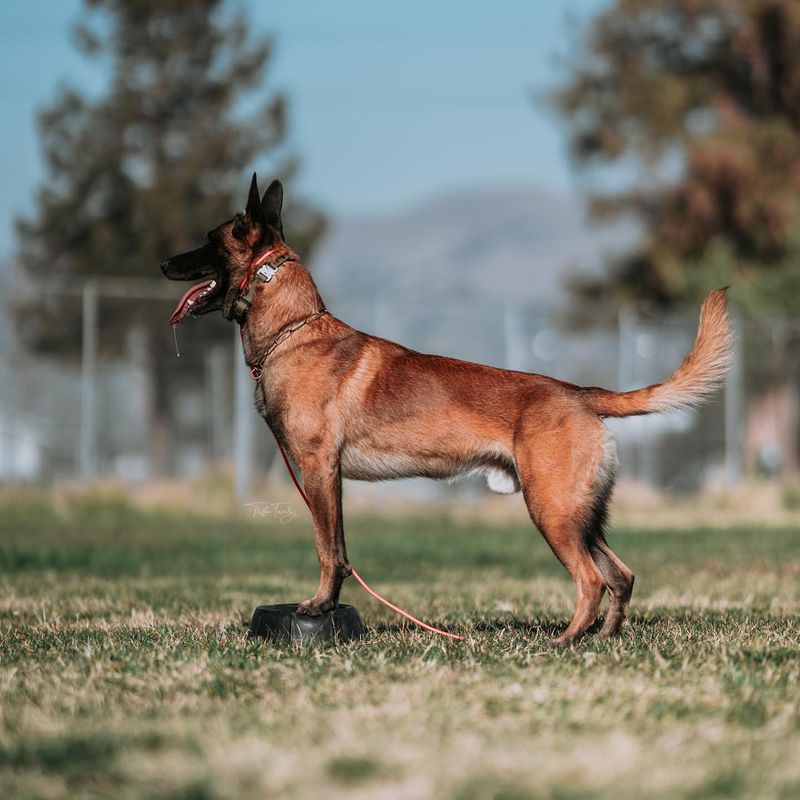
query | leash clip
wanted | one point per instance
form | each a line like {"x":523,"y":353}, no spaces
{"x":256,"y":372}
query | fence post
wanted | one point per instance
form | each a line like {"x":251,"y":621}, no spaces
{"x":626,"y":377}
{"x":87,"y":457}
{"x":734,"y":405}
{"x":242,"y":424}
{"x":217,"y":400}
{"x":514,"y":338}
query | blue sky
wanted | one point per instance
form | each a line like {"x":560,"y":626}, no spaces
{"x":389,"y":102}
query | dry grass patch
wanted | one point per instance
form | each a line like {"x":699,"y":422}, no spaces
{"x":125,"y":669}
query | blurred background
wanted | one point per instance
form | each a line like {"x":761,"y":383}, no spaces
{"x":550,"y":187}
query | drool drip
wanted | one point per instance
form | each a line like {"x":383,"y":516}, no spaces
{"x":175,"y":334}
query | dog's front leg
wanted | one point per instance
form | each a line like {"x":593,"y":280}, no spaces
{"x":322,"y":482}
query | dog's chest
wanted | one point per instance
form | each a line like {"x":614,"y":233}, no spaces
{"x":364,"y":464}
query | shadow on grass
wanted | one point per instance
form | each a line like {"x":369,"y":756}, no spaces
{"x":533,"y":628}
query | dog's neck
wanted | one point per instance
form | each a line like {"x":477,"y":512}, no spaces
{"x":289,"y":297}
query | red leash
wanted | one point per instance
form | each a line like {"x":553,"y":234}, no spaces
{"x":256,"y":375}
{"x":366,"y":586}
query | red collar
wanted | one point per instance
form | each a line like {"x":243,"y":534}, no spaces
{"x":265,"y":267}
{"x":257,"y":262}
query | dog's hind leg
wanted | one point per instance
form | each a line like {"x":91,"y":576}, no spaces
{"x":619,"y":580}
{"x":556,"y":469}
{"x":565,"y":539}
{"x":322,"y":483}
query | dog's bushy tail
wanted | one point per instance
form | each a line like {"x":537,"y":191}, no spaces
{"x":701,"y":372}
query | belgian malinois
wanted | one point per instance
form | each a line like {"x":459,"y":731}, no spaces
{"x":348,"y":405}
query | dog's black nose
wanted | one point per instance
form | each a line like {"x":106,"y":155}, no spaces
{"x":165,"y":266}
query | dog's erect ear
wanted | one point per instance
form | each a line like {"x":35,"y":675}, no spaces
{"x":271,"y":205}
{"x":254,"y":210}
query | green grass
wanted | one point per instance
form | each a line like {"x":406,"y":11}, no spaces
{"x":125,"y":670}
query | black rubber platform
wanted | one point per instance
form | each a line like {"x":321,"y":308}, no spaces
{"x":282,"y":623}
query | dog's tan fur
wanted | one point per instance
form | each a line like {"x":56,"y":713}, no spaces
{"x":349,"y":405}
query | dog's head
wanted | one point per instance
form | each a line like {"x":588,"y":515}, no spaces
{"x":223,"y":260}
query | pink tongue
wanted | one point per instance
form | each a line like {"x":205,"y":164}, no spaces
{"x":187,"y":301}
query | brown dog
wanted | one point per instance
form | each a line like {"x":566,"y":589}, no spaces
{"x":348,"y":405}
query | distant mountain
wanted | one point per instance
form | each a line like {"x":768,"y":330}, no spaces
{"x":490,"y":245}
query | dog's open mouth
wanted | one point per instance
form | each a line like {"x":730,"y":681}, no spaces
{"x":203,"y":297}
{"x":197,"y":301}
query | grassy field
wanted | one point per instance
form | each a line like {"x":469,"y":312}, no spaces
{"x":125,"y":670}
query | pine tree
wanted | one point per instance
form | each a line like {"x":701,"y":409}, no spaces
{"x":699,"y":100}
{"x":143,"y":171}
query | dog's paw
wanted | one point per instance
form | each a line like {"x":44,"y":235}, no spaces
{"x":563,"y":641}
{"x":314,"y":607}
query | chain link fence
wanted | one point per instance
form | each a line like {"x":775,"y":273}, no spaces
{"x":96,"y":414}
